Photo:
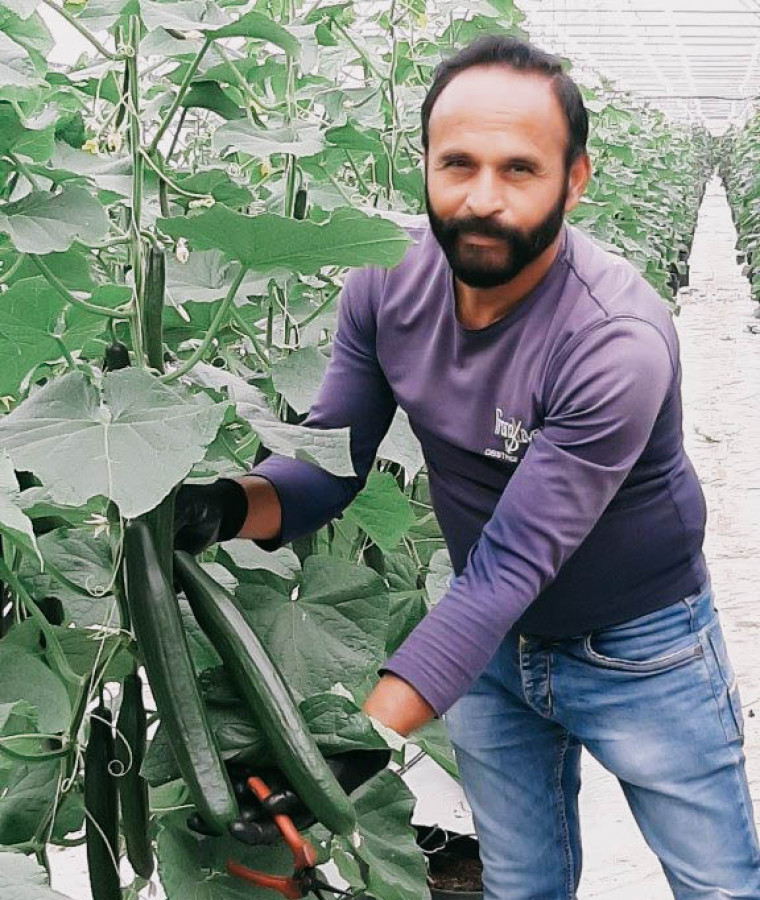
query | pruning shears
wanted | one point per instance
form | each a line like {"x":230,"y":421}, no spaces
{"x":304,"y":879}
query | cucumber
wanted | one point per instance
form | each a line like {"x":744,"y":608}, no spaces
{"x":116,"y":357}
{"x":101,"y":801}
{"x":133,"y":788}
{"x":162,"y":642}
{"x":153,"y":308}
{"x":299,"y":204}
{"x":267,"y":695}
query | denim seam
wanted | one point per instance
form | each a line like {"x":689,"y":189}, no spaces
{"x":569,"y":865}
{"x":643,"y":666}
{"x":705,"y":639}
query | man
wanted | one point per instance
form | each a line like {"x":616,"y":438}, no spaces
{"x":542,"y":377}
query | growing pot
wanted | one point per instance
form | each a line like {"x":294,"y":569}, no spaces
{"x":455,"y":870}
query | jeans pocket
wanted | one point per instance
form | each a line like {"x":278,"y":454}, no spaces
{"x":655,"y":642}
{"x":724,"y":683}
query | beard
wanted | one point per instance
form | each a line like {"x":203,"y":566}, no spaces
{"x":480,"y":266}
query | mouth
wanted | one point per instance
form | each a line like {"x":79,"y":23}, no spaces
{"x":483,"y":240}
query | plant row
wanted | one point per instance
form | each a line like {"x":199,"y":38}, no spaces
{"x":739,"y":167}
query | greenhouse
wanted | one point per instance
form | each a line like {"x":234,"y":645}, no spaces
{"x":378,"y":485}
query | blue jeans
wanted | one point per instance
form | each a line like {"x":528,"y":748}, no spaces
{"x":655,"y":701}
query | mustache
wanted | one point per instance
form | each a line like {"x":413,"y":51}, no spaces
{"x":481,"y":228}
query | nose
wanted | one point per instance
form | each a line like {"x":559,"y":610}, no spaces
{"x":483,"y":199}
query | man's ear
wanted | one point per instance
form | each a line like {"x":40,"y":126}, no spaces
{"x":580,"y":173}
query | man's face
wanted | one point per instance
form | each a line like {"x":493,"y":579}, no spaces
{"x":496,"y":185}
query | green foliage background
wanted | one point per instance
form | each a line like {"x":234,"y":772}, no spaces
{"x":263,"y":148}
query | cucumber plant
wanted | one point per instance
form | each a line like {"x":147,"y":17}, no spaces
{"x":178,"y":209}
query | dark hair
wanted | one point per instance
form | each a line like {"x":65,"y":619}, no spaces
{"x":494,"y":49}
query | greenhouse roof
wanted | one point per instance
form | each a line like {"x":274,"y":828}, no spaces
{"x":698,"y":61}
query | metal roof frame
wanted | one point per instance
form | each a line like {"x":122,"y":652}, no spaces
{"x":698,"y":60}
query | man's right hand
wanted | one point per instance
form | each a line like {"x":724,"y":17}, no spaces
{"x":207,"y":513}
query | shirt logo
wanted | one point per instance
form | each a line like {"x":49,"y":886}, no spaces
{"x":516,"y":437}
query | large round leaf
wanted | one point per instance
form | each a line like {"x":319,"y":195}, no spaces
{"x":133,"y":441}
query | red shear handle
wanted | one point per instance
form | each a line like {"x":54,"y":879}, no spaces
{"x":288,"y":887}
{"x":304,"y":853}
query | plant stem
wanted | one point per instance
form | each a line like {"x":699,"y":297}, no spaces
{"x":214,"y":327}
{"x":5,"y":278}
{"x":249,"y":333}
{"x":24,"y":169}
{"x":135,"y":214}
{"x":359,"y":50}
{"x":180,"y":94}
{"x":173,"y":185}
{"x":66,"y":354}
{"x":87,"y":35}
{"x":322,"y":306}
{"x":177,"y":132}
{"x":70,"y":298}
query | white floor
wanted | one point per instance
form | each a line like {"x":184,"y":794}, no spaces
{"x":721,"y":389}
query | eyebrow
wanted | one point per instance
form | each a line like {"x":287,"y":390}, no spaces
{"x":451,"y":155}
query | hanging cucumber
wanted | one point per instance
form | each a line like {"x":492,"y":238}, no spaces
{"x":116,"y":357}
{"x":299,"y":204}
{"x":153,"y":307}
{"x":133,"y":788}
{"x":101,"y":801}
{"x":267,"y":696}
{"x":161,"y":639}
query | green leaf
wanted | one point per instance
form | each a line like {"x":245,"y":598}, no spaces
{"x":83,"y":647}
{"x":78,"y":570}
{"x":328,"y":448}
{"x":23,"y":676}
{"x":139,"y":436}
{"x":434,"y":740}
{"x":16,"y":68}
{"x":338,"y":724}
{"x":13,"y":522}
{"x":202,"y":279}
{"x":388,"y":846}
{"x":298,"y":377}
{"x":333,"y":631}
{"x":247,"y":138}
{"x":21,"y":878}
{"x":350,"y":138}
{"x":182,"y":15}
{"x":325,"y":447}
{"x":407,"y":609}
{"x":29,"y":315}
{"x":246,"y":554}
{"x":193,"y":868}
{"x":382,"y":510}
{"x":400,"y":445}
{"x":217,"y":183}
{"x":257,"y":25}
{"x":26,"y":800}
{"x":110,"y":173}
{"x":441,"y":572}
{"x":268,"y":243}
{"x":32,"y":138}
{"x":208,"y":95}
{"x":44,"y":223}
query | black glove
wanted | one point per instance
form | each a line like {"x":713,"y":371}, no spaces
{"x":207,"y":513}
{"x":255,"y":825}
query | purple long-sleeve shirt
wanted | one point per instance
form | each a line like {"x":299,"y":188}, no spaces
{"x":553,"y":442}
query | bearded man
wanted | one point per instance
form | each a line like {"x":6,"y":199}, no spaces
{"x":541,"y":375}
